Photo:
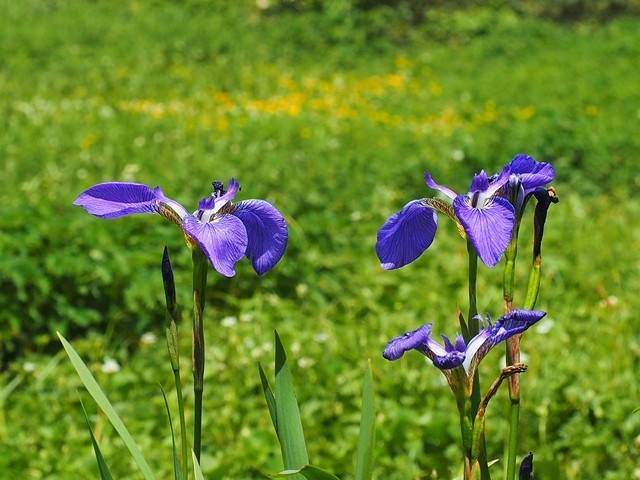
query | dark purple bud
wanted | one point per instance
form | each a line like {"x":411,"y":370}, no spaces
{"x":169,"y":286}
{"x":526,"y":468}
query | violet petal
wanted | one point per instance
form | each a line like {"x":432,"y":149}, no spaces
{"x":410,"y":340}
{"x":406,"y":235}
{"x":117,"y":199}
{"x":266,"y":233}
{"x":532,"y":174}
{"x":510,"y":324}
{"x":223,"y":241}
{"x":431,"y":184}
{"x":489,"y":228}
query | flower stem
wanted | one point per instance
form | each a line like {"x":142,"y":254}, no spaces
{"x":200,"y":266}
{"x":183,"y":427}
{"x":172,"y":344}
{"x":512,"y":353}
{"x":171,"y":330}
{"x":474,"y":329}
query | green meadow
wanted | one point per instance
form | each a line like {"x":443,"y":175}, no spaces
{"x":332,"y":116}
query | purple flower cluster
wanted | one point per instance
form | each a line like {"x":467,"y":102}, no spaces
{"x":468,"y":356}
{"x":487,"y":213}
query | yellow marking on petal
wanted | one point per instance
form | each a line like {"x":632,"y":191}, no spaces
{"x":167,"y":212}
{"x":447,"y":209}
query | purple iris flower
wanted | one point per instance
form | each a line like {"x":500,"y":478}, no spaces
{"x":532,"y":174}
{"x":459,"y":354}
{"x":487,"y":220}
{"x":225,"y":231}
{"x":527,"y":177}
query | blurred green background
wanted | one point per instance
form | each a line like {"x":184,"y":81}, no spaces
{"x":331,"y":111}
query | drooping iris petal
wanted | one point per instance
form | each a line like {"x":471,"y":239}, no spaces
{"x":513,"y":323}
{"x":510,"y":324}
{"x":410,"y":340}
{"x":223,"y":241}
{"x":117,"y":199}
{"x":406,"y":235}
{"x":532,"y":174}
{"x":454,"y":354}
{"x":266,"y":232}
{"x":489,"y":228}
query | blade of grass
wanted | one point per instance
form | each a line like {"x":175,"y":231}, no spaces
{"x":197,"y":471}
{"x":309,"y":472}
{"x":269,"y":397}
{"x":176,"y":460}
{"x":290,"y":434}
{"x":366,"y":442}
{"x":100,"y":398}
{"x":105,"y":474}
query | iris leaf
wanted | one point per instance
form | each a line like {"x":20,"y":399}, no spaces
{"x":269,"y":397}
{"x":309,"y":472}
{"x":366,"y":443}
{"x":105,"y":474}
{"x":197,"y":471}
{"x":100,"y":398}
{"x":289,"y":424}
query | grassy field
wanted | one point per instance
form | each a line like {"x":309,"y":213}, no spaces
{"x":336,"y":130}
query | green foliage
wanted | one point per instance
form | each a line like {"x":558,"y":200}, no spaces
{"x":414,"y":12}
{"x":334,"y":122}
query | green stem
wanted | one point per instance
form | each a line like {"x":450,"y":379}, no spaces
{"x":200,"y":266}
{"x":474,"y":329}
{"x":171,"y":330}
{"x":514,"y":425}
{"x":512,"y":354}
{"x":466,"y":430}
{"x":509,"y":271}
{"x":183,"y":427}
{"x":172,"y":344}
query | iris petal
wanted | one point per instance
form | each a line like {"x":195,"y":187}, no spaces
{"x":513,"y":323}
{"x":223,"y":241}
{"x":489,"y":228}
{"x":406,"y":235}
{"x":532,"y":174}
{"x":480,"y":182}
{"x":117,"y":199}
{"x":450,"y":360}
{"x":431,"y":184}
{"x":410,"y":340}
{"x":266,"y":232}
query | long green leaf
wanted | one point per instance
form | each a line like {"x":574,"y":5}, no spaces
{"x":105,"y":474}
{"x":197,"y":471}
{"x":366,"y":443}
{"x":269,"y":397}
{"x":309,"y":472}
{"x":290,"y":434}
{"x":100,"y":398}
